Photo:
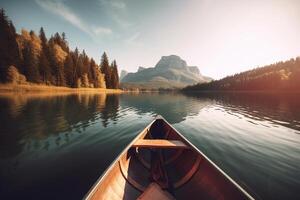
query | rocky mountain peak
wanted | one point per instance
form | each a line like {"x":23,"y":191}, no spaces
{"x":171,"y":61}
{"x":141,"y":68}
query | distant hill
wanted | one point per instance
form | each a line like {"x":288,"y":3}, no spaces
{"x":170,"y":72}
{"x":279,"y":76}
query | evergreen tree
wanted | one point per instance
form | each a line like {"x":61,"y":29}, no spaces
{"x":44,"y":68}
{"x":69,"y":70}
{"x":44,"y":64}
{"x":114,"y":75}
{"x":92,"y":71}
{"x":60,"y":75}
{"x":52,"y":62}
{"x":75,"y":57}
{"x":80,"y":66}
{"x":30,"y":64}
{"x":9,"y":50}
{"x":105,"y":69}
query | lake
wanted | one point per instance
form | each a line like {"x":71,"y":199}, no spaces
{"x":57,"y":146}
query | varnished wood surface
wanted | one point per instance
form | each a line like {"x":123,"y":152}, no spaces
{"x":157,"y":143}
{"x":153,"y":191}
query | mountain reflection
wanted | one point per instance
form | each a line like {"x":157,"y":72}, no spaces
{"x":27,"y":119}
{"x":174,"y":107}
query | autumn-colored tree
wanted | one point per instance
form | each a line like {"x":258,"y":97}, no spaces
{"x":100,"y":80}
{"x":85,"y":80}
{"x":14,"y":77}
{"x":49,"y":61}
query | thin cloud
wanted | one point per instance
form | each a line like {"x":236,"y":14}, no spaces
{"x":102,"y":31}
{"x":117,"y":10}
{"x":118,"y":4}
{"x":59,"y":8}
{"x":133,"y":40}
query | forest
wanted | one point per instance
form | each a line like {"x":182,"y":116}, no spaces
{"x":32,"y":58}
{"x":280,"y":76}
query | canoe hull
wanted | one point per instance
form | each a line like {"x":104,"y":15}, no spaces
{"x":186,"y":173}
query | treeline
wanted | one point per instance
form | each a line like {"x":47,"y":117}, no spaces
{"x":28,"y":57}
{"x":279,"y":76}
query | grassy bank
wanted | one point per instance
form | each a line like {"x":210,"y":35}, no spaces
{"x":9,"y":88}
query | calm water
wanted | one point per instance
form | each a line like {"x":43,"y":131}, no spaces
{"x":55,"y":147}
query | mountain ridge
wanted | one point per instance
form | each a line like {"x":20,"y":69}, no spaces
{"x":170,"y":72}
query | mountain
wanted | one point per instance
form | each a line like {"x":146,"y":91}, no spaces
{"x":141,"y":68}
{"x":123,"y":74}
{"x":170,"y":72}
{"x":281,"y":76}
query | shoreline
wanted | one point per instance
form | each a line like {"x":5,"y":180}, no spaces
{"x":36,"y":88}
{"x":240,"y":91}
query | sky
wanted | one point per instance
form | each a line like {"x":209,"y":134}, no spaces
{"x":221,"y":37}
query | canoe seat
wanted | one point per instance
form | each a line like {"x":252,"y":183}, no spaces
{"x":153,"y":191}
{"x":157,"y":143}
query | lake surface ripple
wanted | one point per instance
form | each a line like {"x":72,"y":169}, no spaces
{"x":55,"y":147}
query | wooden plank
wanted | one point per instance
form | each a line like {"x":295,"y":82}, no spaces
{"x":158,"y":143}
{"x":153,"y":191}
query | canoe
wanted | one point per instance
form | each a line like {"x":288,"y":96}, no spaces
{"x":161,"y":164}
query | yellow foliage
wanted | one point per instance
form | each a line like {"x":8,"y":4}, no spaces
{"x":60,"y":54}
{"x":34,"y":40}
{"x":100,"y":81}
{"x":85,"y":80}
{"x":284,"y":75}
{"x":14,"y":77}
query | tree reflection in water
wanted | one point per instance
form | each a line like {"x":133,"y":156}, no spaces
{"x":39,"y":121}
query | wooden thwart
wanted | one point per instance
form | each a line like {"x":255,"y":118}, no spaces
{"x":158,"y":143}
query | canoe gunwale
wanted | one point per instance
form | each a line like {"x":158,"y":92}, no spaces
{"x":109,"y":168}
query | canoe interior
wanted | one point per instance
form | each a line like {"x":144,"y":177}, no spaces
{"x":187,"y":172}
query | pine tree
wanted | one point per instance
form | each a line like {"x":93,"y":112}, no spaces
{"x":75,"y":57}
{"x":52,"y":62}
{"x":92,"y":71}
{"x":114,"y":75}
{"x":105,"y":69}
{"x":30,"y":64}
{"x":44,"y":68}
{"x":9,"y":50}
{"x":69,"y":70}
{"x":86,"y":63}
{"x":61,"y":81}
{"x":80,"y":66}
{"x":44,"y":64}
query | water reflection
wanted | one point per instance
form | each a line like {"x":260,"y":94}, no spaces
{"x":60,"y":144}
{"x":280,"y":109}
{"x":26,"y":119}
{"x":174,"y":107}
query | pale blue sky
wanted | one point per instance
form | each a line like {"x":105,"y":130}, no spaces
{"x":221,"y":37}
